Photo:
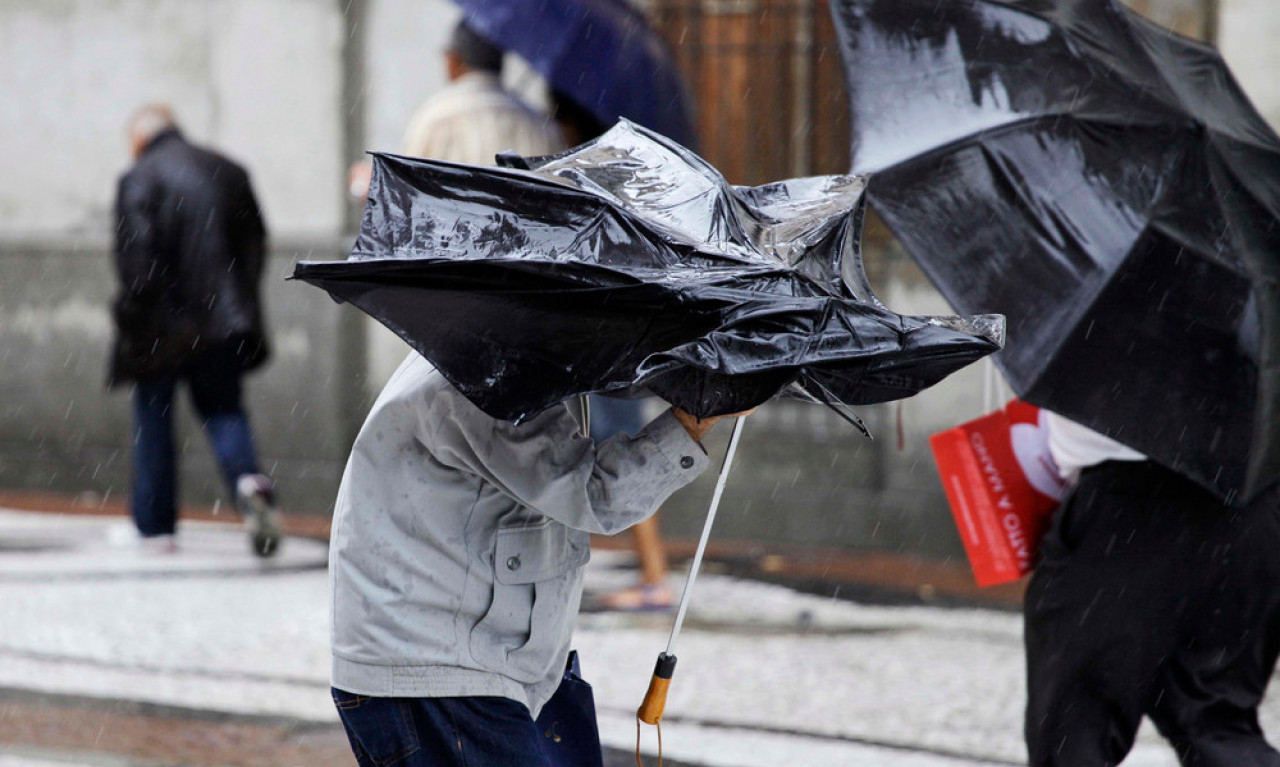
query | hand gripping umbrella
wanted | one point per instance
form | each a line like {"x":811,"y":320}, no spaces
{"x":1106,"y":185}
{"x":601,"y":53}
{"x":628,"y":265}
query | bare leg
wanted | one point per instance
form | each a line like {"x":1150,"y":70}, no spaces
{"x":653,"y":557}
{"x":652,"y":593}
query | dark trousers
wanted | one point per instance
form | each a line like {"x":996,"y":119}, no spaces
{"x":440,"y":732}
{"x":1152,"y":598}
{"x":214,"y":382}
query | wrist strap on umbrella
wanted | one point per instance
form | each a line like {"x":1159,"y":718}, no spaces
{"x":658,"y":727}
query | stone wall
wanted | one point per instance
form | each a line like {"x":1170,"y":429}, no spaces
{"x":61,"y":430}
{"x":281,"y":86}
{"x":259,"y":79}
{"x":803,"y":474}
{"x":1247,"y":35}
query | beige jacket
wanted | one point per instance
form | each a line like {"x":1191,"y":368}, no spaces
{"x":472,"y":119}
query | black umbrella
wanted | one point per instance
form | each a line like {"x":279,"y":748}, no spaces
{"x":629,"y":265}
{"x":1107,"y":186}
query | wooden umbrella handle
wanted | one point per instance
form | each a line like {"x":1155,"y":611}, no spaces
{"x":655,"y":699}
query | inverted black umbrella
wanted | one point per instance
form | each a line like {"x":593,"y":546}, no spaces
{"x":1106,"y":185}
{"x":629,"y":265}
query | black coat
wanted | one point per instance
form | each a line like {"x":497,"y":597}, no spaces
{"x":190,"y":246}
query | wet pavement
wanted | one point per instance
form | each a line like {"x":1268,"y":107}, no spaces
{"x":110,"y":655}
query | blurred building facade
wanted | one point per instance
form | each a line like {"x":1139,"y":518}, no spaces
{"x":297,"y":89}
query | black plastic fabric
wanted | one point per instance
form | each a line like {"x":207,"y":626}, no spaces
{"x":626,"y":265}
{"x":1107,"y":186}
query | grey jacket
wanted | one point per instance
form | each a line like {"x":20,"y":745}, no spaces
{"x":458,"y":540}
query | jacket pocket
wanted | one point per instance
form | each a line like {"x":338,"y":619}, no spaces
{"x":535,"y":578}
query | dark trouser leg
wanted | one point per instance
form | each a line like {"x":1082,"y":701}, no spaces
{"x":493,"y":732}
{"x":216,"y":393}
{"x":1122,"y":575}
{"x":1208,"y":696}
{"x":380,"y":730}
{"x":155,"y":482}
{"x":440,"y":732}
{"x":1077,"y":714}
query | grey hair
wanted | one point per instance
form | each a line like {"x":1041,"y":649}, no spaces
{"x":149,"y":120}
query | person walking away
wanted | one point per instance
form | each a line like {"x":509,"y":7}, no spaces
{"x":189,"y":251}
{"x":1152,"y":598}
{"x":456,"y":564}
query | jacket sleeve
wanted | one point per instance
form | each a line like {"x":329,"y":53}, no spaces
{"x":546,"y":465}
{"x":251,"y":231}
{"x":136,"y":257}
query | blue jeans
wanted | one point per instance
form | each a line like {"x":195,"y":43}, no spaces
{"x":440,"y":732}
{"x":214,"y":382}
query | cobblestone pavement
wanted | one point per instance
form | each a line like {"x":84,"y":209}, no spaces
{"x":213,"y":657}
{"x":57,"y":729}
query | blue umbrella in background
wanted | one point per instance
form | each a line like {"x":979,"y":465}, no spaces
{"x":600,"y":53}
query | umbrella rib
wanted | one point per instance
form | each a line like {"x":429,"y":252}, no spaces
{"x":1135,"y":20}
{"x":1092,"y":62}
{"x":506,"y":174}
{"x":830,"y":399}
{"x":979,"y":142}
{"x":993,"y":132}
{"x":1231,"y":171}
{"x":1138,"y":19}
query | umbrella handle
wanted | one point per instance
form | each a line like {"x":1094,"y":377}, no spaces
{"x":655,"y":699}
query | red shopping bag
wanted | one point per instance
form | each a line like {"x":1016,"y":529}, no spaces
{"x":1003,"y":486}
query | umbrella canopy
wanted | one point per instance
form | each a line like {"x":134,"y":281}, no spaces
{"x":1107,"y":186}
{"x":601,"y":53}
{"x":627,"y":265}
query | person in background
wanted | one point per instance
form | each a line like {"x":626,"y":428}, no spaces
{"x":1152,"y":597}
{"x":471,"y":119}
{"x":474,"y":117}
{"x":189,"y":251}
{"x":611,"y":416}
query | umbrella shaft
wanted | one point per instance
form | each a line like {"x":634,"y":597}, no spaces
{"x":706,"y":533}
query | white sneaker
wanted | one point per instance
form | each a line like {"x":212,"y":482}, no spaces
{"x":126,"y":536}
{"x":158,"y":544}
{"x":255,"y":498}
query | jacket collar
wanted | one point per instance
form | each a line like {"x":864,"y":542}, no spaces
{"x":163,"y":137}
{"x":478,"y":80}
